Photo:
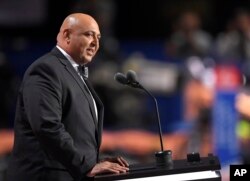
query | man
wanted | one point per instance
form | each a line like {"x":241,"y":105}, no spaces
{"x":59,"y":117}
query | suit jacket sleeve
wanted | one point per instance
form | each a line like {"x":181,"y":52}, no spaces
{"x":42,"y":95}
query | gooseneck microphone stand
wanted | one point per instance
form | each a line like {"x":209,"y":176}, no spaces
{"x":163,"y":157}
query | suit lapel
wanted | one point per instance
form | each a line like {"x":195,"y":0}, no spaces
{"x":100,"y":109}
{"x":84,"y":89}
{"x":78,"y":79}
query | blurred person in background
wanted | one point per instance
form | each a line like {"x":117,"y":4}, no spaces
{"x":198,"y":97}
{"x":234,"y":43}
{"x":188,"y":38}
{"x":192,"y":45}
{"x":59,"y":117}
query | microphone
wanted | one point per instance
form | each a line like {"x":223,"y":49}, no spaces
{"x":163,"y":158}
{"x":121,"y":78}
{"x":129,"y":79}
{"x":131,"y":76}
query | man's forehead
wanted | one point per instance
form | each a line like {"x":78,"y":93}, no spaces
{"x":91,"y":27}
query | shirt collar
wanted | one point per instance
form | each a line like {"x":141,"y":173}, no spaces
{"x":71,"y":60}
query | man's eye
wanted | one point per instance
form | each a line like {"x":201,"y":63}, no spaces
{"x":89,"y":34}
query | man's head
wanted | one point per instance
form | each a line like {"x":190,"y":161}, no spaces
{"x":79,"y":36}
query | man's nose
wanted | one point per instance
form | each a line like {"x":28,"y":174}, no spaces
{"x":95,"y":41}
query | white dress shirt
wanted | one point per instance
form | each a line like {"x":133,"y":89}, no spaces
{"x":75,"y":65}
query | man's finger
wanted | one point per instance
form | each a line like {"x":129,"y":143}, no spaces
{"x":123,"y":161}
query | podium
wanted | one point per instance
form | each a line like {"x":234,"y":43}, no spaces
{"x":192,"y":168}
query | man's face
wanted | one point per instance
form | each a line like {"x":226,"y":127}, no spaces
{"x":84,"y":41}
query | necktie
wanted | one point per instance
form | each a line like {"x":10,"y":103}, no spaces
{"x":83,"y":70}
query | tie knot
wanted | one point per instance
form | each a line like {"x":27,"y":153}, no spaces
{"x":83,"y":70}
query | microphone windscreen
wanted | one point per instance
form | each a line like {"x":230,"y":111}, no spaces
{"x":131,"y":76}
{"x":121,"y":78}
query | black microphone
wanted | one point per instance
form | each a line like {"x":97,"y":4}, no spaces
{"x":121,"y":78}
{"x":131,"y":76}
{"x":129,"y":79}
{"x":163,"y":158}
{"x":132,"y":80}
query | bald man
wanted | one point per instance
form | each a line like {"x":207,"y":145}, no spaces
{"x":59,"y":117}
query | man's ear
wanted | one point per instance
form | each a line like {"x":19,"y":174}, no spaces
{"x":66,"y":35}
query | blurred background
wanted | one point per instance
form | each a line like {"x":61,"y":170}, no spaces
{"x":192,"y":55}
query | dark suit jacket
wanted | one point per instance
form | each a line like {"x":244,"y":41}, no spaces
{"x":57,"y":135}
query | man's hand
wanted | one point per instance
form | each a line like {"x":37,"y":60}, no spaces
{"x":109,"y":165}
{"x":121,"y":161}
